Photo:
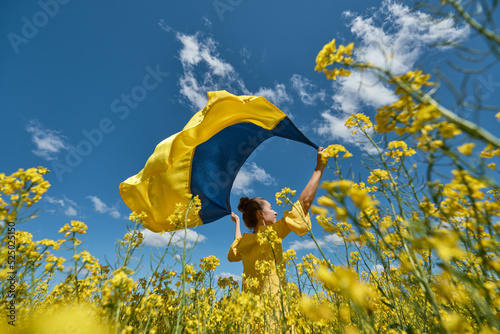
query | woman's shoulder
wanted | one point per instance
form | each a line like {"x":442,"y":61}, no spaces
{"x":294,"y":220}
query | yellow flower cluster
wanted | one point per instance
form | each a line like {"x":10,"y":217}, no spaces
{"x":406,"y":115}
{"x":118,"y":285}
{"x":377,"y":175}
{"x":76,"y":227}
{"x":24,"y":187}
{"x":490,"y":151}
{"x":265,"y":267}
{"x":284,"y":196}
{"x":446,"y":244}
{"x":137,"y":218}
{"x":342,"y":189}
{"x":333,"y":151}
{"x":289,"y":255}
{"x":330,"y":55}
{"x":135,"y":238}
{"x":463,"y":184}
{"x":268,"y":236}
{"x":360,"y":121}
{"x":348,"y":282}
{"x":398,"y":149}
{"x":209,"y":263}
{"x":185,"y":213}
{"x":316,"y":310}
{"x":325,"y":221}
{"x":227,"y":282}
{"x":466,"y":149}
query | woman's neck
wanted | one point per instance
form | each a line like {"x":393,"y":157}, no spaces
{"x":256,"y":228}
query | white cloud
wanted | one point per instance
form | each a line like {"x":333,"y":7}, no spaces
{"x":115,"y":213}
{"x":48,"y":142}
{"x":194,"y":52}
{"x":328,"y":241}
{"x":70,"y":211}
{"x":101,"y":207}
{"x":165,"y":26}
{"x":334,"y":128}
{"x":70,"y":269}
{"x":398,"y":46}
{"x":245,"y":55}
{"x":175,"y":238}
{"x":360,"y":89}
{"x":276,"y":95}
{"x":205,"y":70}
{"x":53,"y":200}
{"x":334,"y":239}
{"x":193,"y":91}
{"x":305,"y":244}
{"x":206,"y":22}
{"x":68,"y":205}
{"x":380,"y":268}
{"x":247,"y":175}
{"x":394,"y":37}
{"x":235,"y":277}
{"x":307,"y":91}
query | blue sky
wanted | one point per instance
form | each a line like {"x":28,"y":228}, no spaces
{"x":89,"y":88}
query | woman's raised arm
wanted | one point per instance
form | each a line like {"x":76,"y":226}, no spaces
{"x":306,"y":198}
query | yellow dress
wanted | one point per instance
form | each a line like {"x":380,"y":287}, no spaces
{"x":248,"y":249}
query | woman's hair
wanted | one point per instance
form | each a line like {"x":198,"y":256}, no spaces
{"x":249,"y":208}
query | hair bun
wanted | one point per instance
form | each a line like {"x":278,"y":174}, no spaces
{"x":244,"y":201}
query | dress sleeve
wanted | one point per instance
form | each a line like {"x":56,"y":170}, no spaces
{"x":233,"y":255}
{"x":295,"y":220}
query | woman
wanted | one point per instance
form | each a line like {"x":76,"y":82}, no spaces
{"x":258,"y":215}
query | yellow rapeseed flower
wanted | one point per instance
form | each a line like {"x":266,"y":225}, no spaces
{"x":339,"y":186}
{"x":362,"y":199}
{"x":446,"y":245}
{"x":284,"y":196}
{"x":358,"y":120}
{"x":330,"y":55}
{"x":209,"y":263}
{"x":333,"y":151}
{"x":377,"y":175}
{"x":466,"y":148}
{"x":398,"y":149}
{"x":347,"y":281}
{"x":315,"y":311}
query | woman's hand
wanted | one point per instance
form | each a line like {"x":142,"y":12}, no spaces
{"x":319,"y":159}
{"x":237,"y":230}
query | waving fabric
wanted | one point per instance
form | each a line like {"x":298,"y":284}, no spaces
{"x":204,"y":158}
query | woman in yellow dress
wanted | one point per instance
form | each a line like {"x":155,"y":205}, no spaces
{"x":259,"y":216}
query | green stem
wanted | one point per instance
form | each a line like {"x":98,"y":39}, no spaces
{"x":473,"y":23}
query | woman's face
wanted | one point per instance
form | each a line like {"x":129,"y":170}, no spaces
{"x":267,"y":213}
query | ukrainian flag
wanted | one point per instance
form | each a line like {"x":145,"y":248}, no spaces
{"x":204,"y":159}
